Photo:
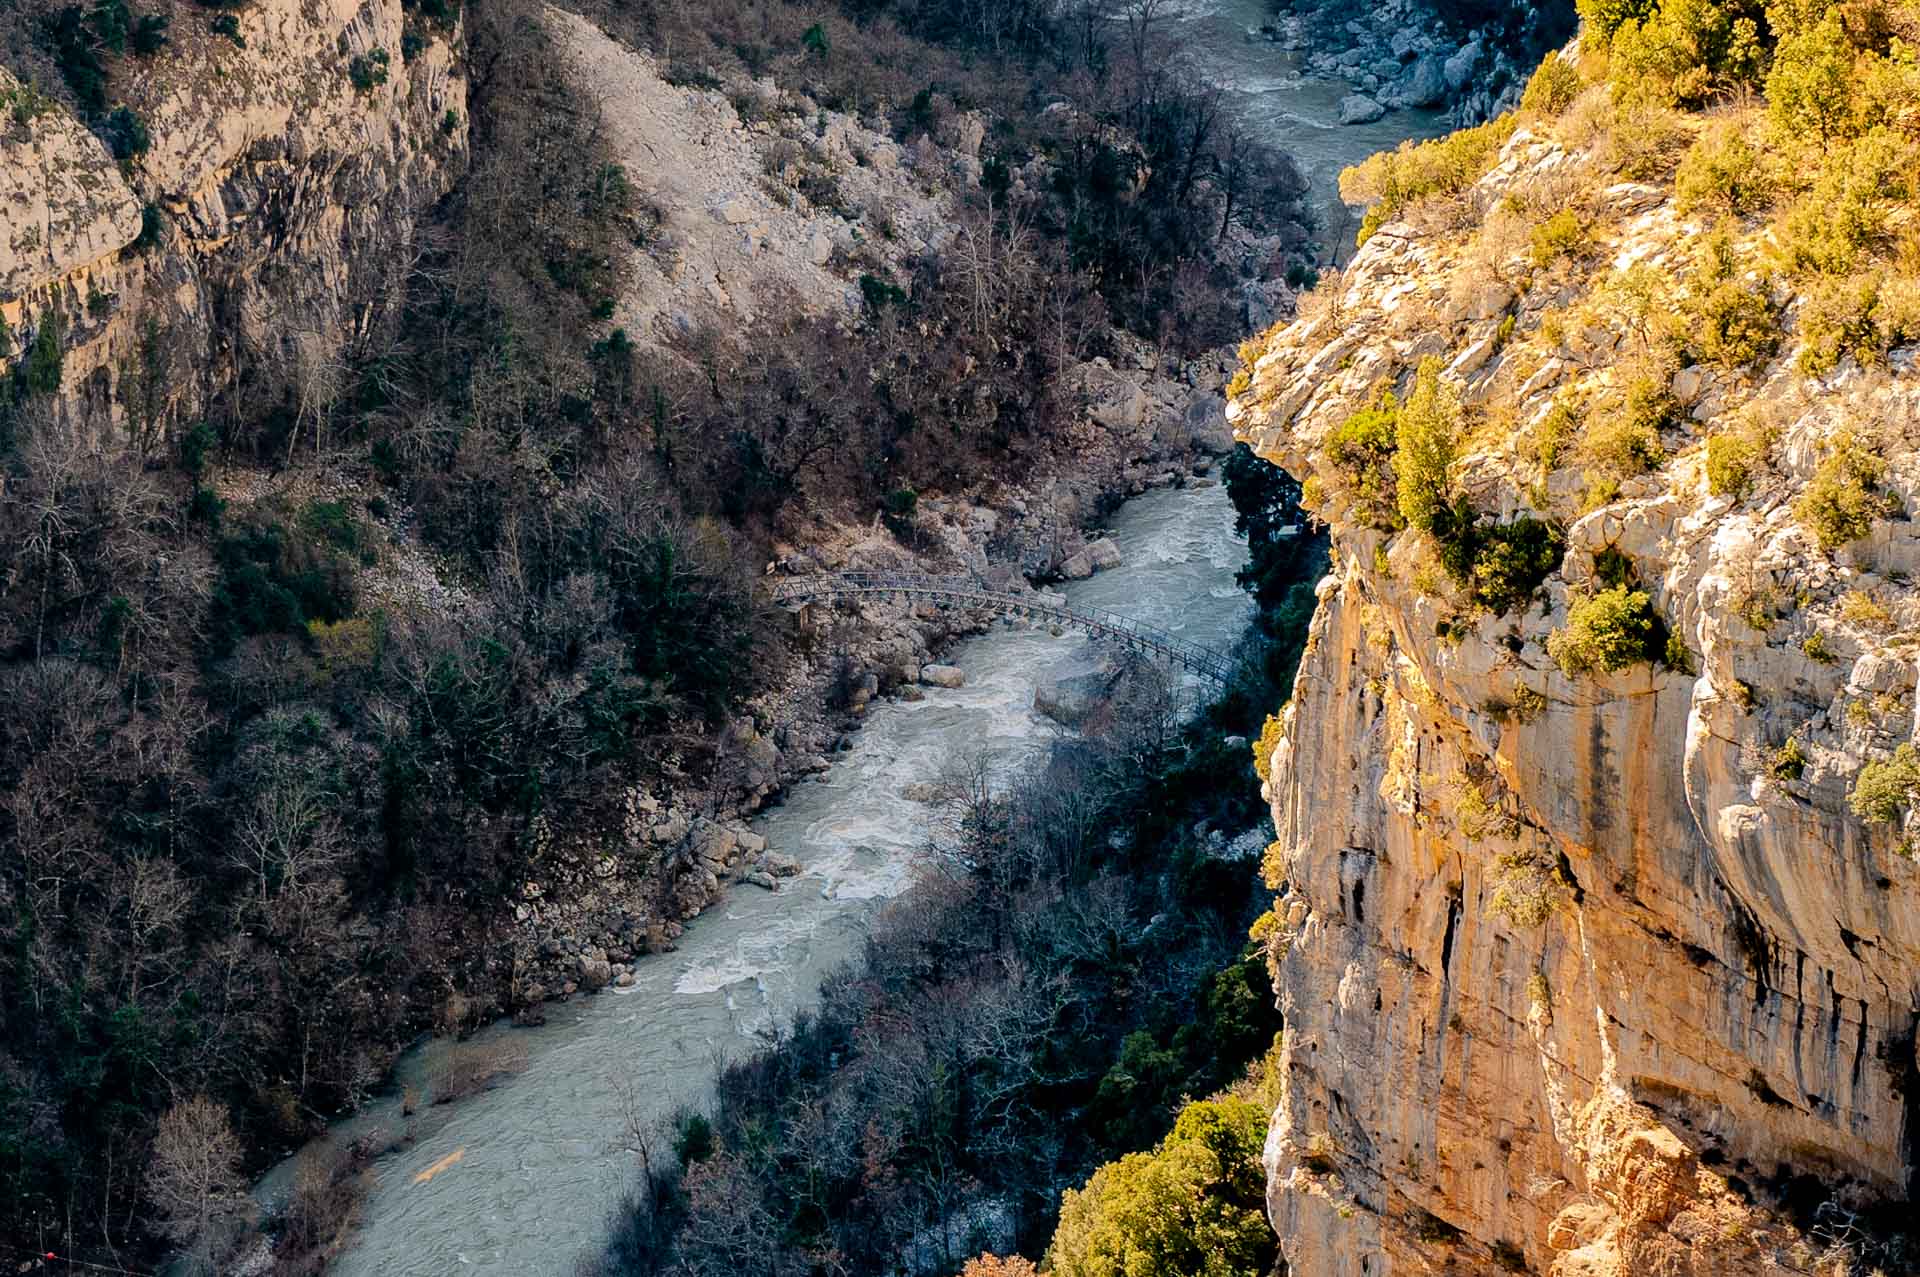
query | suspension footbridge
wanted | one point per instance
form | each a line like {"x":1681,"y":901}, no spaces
{"x":970,"y":592}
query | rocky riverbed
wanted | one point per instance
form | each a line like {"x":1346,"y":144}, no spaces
{"x":1400,"y":56}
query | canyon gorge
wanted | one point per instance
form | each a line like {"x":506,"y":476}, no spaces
{"x":408,"y":404}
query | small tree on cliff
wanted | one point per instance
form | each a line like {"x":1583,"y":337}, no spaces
{"x":1426,"y":439}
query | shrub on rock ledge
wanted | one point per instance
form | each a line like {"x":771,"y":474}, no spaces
{"x":1361,"y":462}
{"x":1885,"y":788}
{"x":1607,"y":632}
{"x":1841,"y":502}
{"x":1510,"y":560}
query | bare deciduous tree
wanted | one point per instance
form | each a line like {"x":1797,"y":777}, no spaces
{"x":289,"y":840}
{"x":193,"y":1178}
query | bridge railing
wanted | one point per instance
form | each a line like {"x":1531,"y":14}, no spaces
{"x":971,"y":591}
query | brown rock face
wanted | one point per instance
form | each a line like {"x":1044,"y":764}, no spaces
{"x":286,"y":175}
{"x":1575,"y":969}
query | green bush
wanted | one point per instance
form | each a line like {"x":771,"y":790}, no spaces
{"x":77,"y":44}
{"x":228,"y":25}
{"x":879,"y":293}
{"x":1811,"y":84}
{"x":150,"y":36}
{"x":1195,"y":1205}
{"x":1646,"y":141}
{"x":1510,"y":560}
{"x":1843,"y":498}
{"x":1425,"y":433}
{"x":1625,"y":440}
{"x":1885,"y":789}
{"x":153,"y":225}
{"x":1607,"y":631}
{"x":1723,"y":172}
{"x":195,"y":444}
{"x":1391,"y":180}
{"x":125,"y":134}
{"x":1359,"y":454}
{"x":1561,"y":235}
{"x":273,"y":580}
{"x":333,"y":523}
{"x":40,"y":373}
{"x":693,"y":1139}
{"x":1527,"y":888}
{"x":1735,"y":324}
{"x":1551,"y":438}
{"x":1846,"y":216}
{"x":1270,"y":733}
{"x":1607,"y":16}
{"x":1551,"y":89}
{"x":1677,"y":657}
{"x":1731,"y":459}
{"x":1685,"y":51}
{"x":368,"y":70}
{"x":1863,"y":316}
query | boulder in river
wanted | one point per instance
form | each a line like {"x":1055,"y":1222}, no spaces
{"x":943,"y":676}
{"x":1207,"y":414}
{"x":1459,"y":67}
{"x":1103,"y":553}
{"x":595,"y":970}
{"x":1069,"y":700}
{"x":1358,"y":108}
{"x":1425,"y":83}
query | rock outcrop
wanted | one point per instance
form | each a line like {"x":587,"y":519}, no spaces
{"x":1595,"y":973}
{"x":262,"y":228}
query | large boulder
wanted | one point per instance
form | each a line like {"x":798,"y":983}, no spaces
{"x":1103,"y":554}
{"x":1425,"y":83}
{"x":948,"y":676}
{"x":1069,"y":700}
{"x":1207,"y":423}
{"x":1459,"y":67}
{"x":595,"y":970}
{"x":1358,"y":108}
{"x":714,"y":843}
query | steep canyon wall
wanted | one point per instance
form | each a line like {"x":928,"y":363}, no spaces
{"x":262,"y":227}
{"x":1580,"y":971}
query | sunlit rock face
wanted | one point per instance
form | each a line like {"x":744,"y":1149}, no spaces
{"x":265,"y":228}
{"x":1580,"y":971}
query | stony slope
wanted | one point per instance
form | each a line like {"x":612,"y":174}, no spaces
{"x":1580,"y":971}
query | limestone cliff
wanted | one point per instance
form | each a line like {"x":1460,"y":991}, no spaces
{"x":1581,"y":971}
{"x":261,"y":228}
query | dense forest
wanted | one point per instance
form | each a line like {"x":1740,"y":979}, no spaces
{"x":257,"y":824}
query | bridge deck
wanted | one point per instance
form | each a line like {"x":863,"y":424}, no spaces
{"x":969,"y":592}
